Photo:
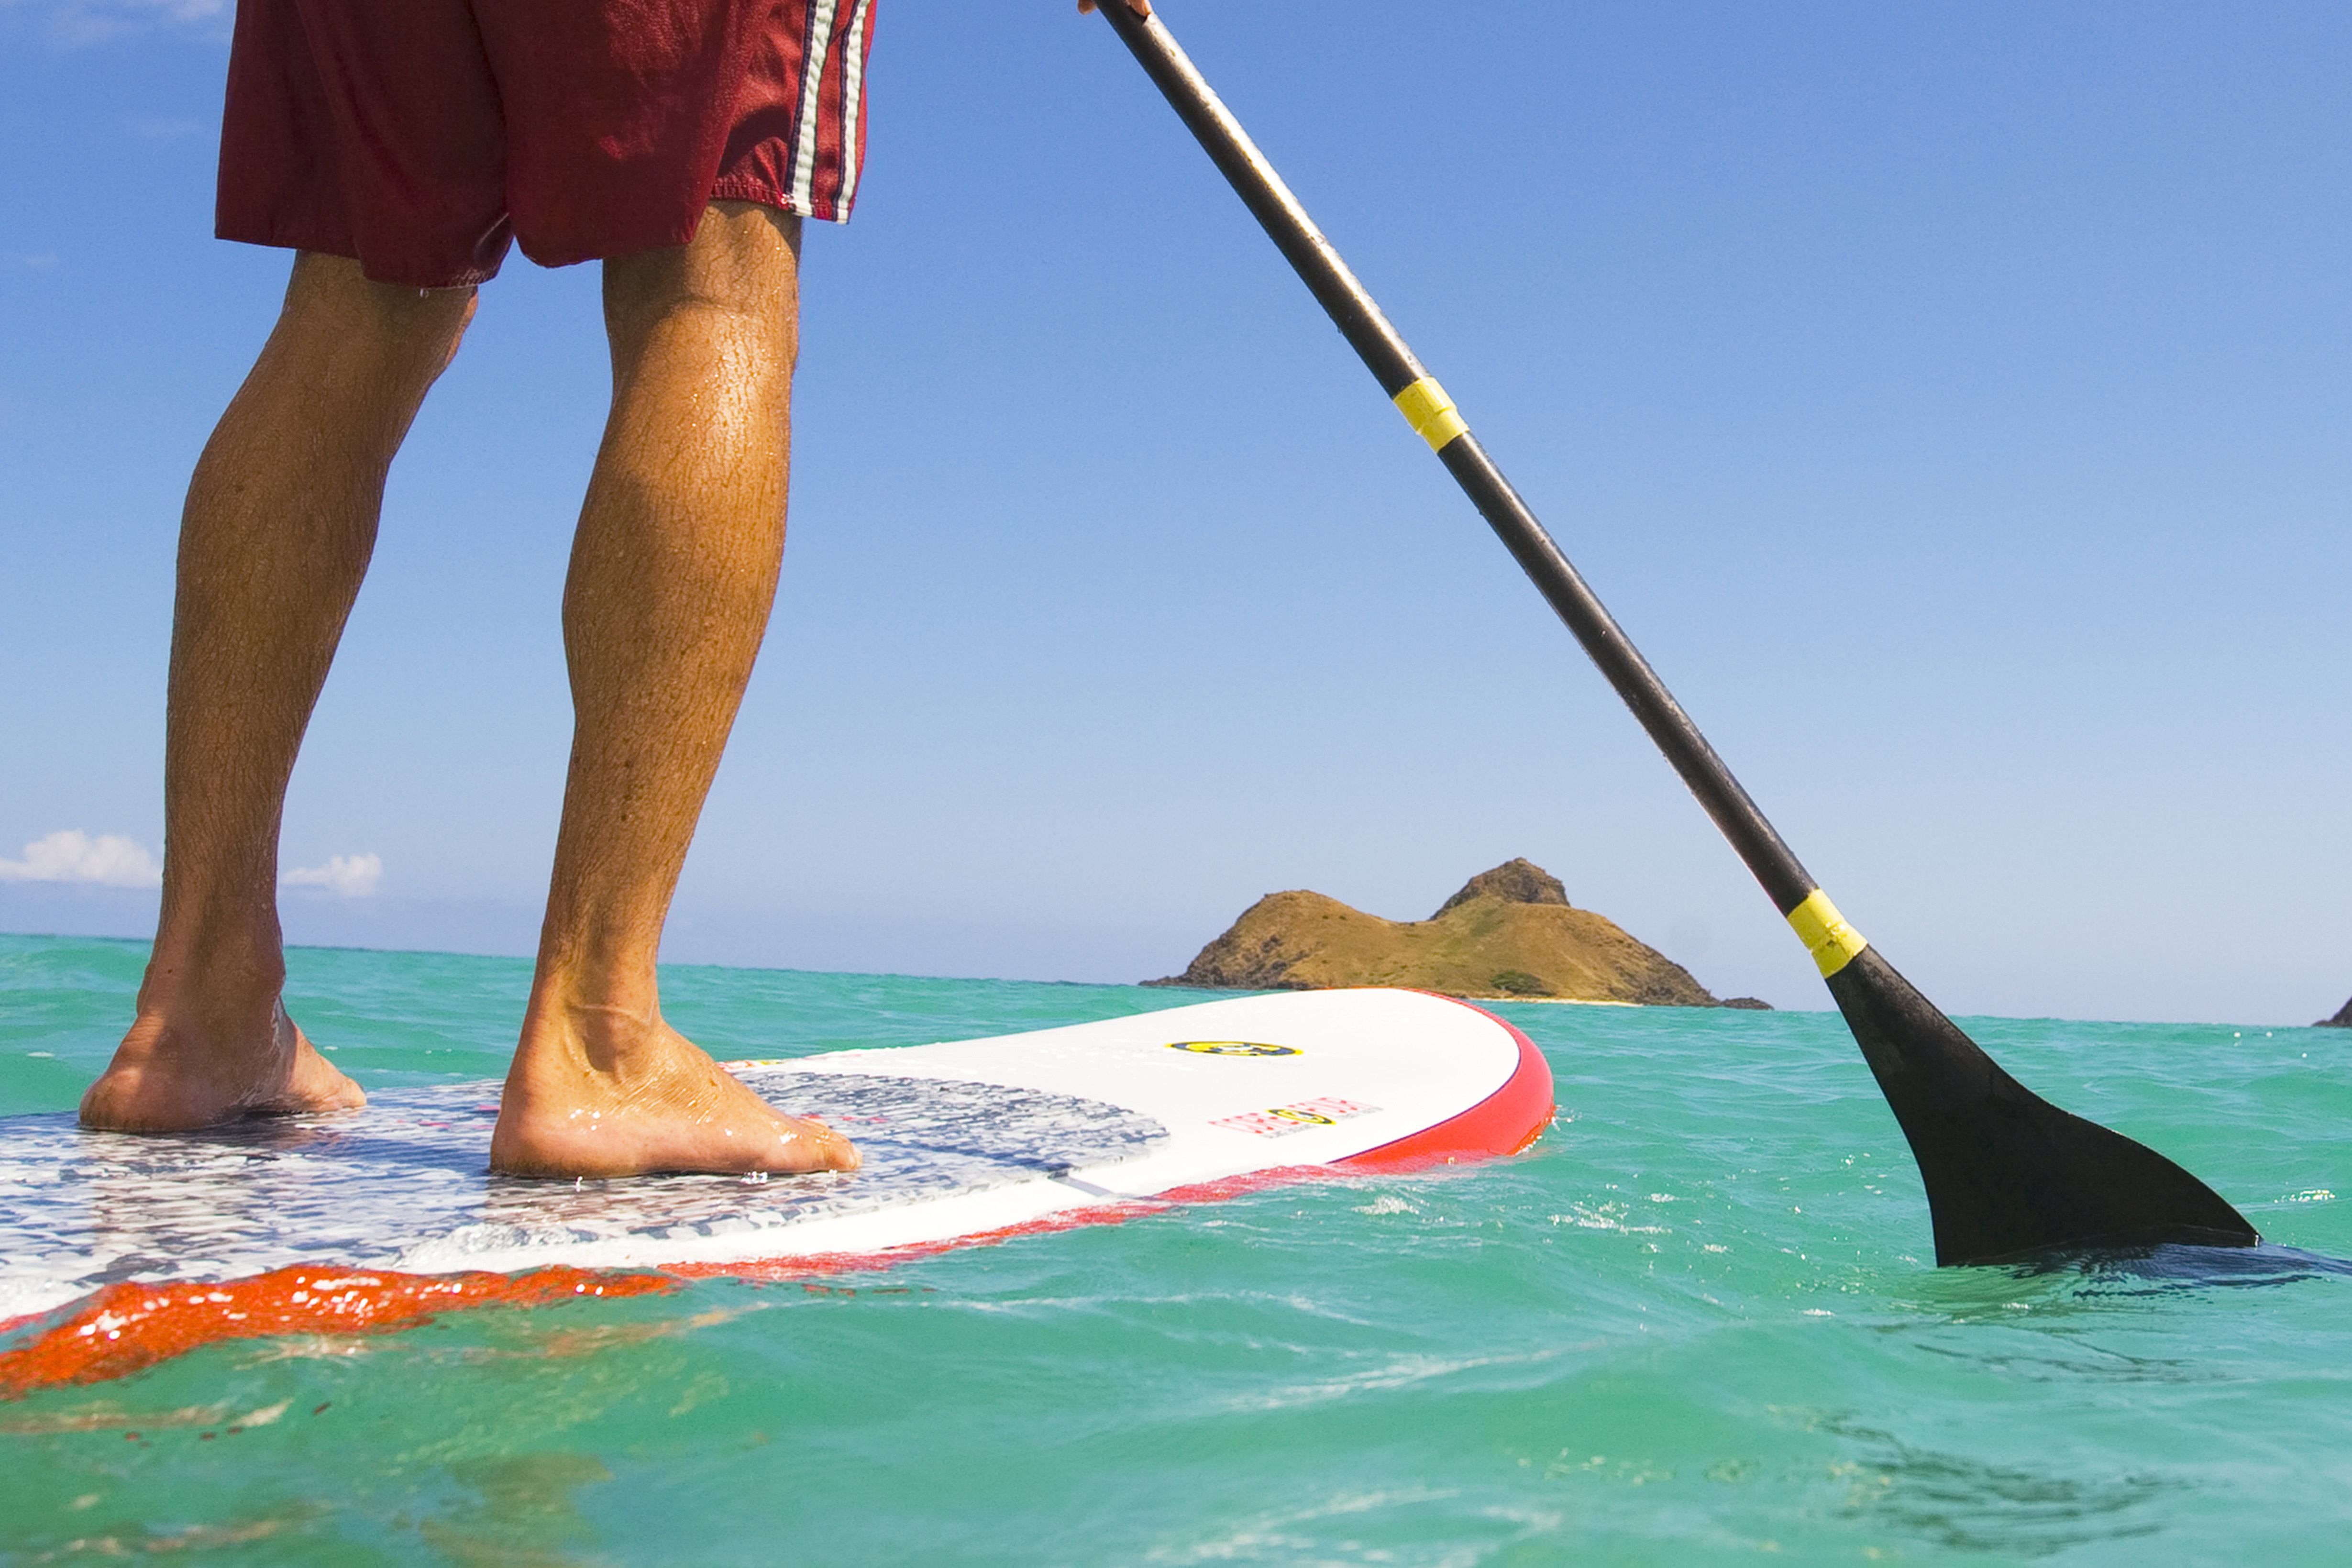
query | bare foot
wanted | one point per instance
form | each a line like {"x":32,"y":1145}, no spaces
{"x":660,"y":1104}
{"x":175,"y":1072}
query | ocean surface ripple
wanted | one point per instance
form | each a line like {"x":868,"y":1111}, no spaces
{"x":1697,"y":1323}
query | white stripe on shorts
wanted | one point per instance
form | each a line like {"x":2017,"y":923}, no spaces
{"x":801,"y":192}
{"x":853,"y":96}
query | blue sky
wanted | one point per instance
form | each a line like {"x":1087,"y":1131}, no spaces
{"x":1950,"y":399}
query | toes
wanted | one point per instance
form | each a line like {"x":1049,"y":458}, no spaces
{"x":833,"y":1151}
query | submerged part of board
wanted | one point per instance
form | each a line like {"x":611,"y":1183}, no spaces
{"x":961,"y":1141}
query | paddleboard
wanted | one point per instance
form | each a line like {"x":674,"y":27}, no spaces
{"x":963,"y":1142}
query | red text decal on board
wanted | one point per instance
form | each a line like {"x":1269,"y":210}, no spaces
{"x":1282,"y":1118}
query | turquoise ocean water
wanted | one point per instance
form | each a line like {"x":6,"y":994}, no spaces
{"x":1697,"y":1325}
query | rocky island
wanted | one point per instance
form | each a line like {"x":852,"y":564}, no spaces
{"x":2343,"y":1019}
{"x":1510,"y":934}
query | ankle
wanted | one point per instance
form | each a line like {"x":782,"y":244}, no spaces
{"x":236,"y":952}
{"x":597,"y":993}
{"x":587,"y":1035}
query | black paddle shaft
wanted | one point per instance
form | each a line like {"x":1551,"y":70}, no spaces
{"x":2006,"y":1171}
{"x":1392,"y":365}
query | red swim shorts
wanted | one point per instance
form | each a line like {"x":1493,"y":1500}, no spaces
{"x":420,"y":136}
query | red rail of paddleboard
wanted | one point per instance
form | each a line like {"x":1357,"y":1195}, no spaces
{"x":129,"y":1327}
{"x":126,"y":1328}
{"x":1504,"y":1123}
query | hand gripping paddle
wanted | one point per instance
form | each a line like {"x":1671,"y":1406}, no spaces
{"x":2006,"y":1171}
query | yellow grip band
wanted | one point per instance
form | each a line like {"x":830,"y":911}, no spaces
{"x":1825,"y":934}
{"x":1429,"y":412}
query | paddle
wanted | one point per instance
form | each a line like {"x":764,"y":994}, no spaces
{"x":2006,"y":1171}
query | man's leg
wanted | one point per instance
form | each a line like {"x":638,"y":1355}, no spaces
{"x":280,"y":519}
{"x":673,"y":572}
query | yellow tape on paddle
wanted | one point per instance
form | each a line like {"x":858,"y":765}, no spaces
{"x":1429,"y":412}
{"x":1825,"y":934}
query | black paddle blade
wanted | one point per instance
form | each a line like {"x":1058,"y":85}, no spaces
{"x":2006,"y":1171}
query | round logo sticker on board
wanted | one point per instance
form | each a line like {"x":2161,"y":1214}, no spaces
{"x":1231,"y":1048}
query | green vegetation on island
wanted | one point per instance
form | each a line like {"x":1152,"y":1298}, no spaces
{"x":1509,"y":934}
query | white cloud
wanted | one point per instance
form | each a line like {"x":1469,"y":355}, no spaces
{"x":113,"y":860}
{"x":347,"y":876}
{"x":72,"y":856}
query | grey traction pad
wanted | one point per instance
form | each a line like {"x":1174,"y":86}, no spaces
{"x":403,"y":1184}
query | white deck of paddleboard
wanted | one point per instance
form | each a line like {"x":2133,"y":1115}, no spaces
{"x":958,"y":1139}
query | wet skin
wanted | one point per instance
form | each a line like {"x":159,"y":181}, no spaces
{"x":673,"y":572}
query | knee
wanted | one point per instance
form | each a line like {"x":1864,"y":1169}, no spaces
{"x":385,"y":330}
{"x":453,"y":331}
{"x":417,"y":330}
{"x":739,"y":275}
